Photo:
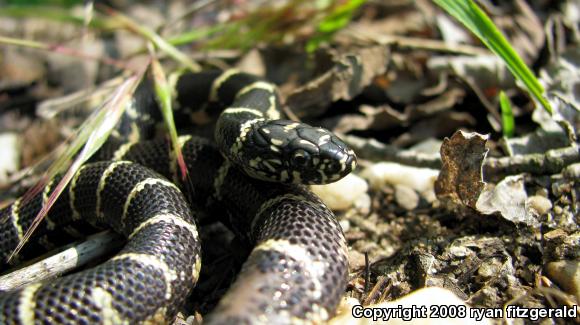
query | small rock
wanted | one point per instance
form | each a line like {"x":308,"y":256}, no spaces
{"x":20,"y":67}
{"x":344,"y":224}
{"x":9,"y":151}
{"x":572,"y":171}
{"x":363,"y":204}
{"x":556,"y":234}
{"x":406,"y":197}
{"x":566,"y":274}
{"x":541,"y":204}
{"x":489,"y":268}
{"x":542,"y":192}
{"x":356,"y":260}
{"x":421,"y":180}
{"x":459,"y":251}
{"x":343,"y":194}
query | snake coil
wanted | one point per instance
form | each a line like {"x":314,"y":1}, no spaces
{"x":297,"y":270}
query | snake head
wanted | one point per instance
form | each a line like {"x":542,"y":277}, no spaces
{"x":290,"y":152}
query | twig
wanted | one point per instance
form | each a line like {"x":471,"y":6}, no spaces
{"x":374,"y":150}
{"x":379,"y":291}
{"x":367,"y":273}
{"x":94,"y":247}
{"x":550,"y":162}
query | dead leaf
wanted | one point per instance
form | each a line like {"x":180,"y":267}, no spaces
{"x":460,"y":180}
{"x":345,"y":79}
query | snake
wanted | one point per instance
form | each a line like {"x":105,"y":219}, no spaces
{"x":252,"y":177}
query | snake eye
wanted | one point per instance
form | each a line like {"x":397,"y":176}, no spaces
{"x":300,"y":158}
{"x":334,"y":166}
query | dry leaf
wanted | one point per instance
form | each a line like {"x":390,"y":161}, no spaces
{"x":344,"y":80}
{"x":460,"y":180}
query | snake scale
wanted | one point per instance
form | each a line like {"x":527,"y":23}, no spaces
{"x":297,"y":269}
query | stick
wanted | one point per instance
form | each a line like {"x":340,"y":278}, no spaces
{"x":73,"y":257}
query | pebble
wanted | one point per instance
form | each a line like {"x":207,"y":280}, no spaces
{"x":345,"y":225}
{"x":459,"y":251}
{"x":343,"y":194}
{"x":356,"y":260}
{"x":421,"y":180}
{"x":566,"y":274}
{"x":541,"y":204}
{"x":406,"y":197}
{"x":572,"y":171}
{"x":363,"y":204}
{"x":9,"y":151}
{"x":431,"y":296}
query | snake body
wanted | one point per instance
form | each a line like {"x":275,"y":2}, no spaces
{"x":297,"y":269}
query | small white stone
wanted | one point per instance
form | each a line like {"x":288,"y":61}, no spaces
{"x":343,"y":194}
{"x":356,"y":260}
{"x":421,"y":180}
{"x":344,"y":224}
{"x":406,"y":197}
{"x":363,"y":203}
{"x":459,"y":251}
{"x":541,"y":204}
{"x":9,"y":151}
{"x":572,"y":171}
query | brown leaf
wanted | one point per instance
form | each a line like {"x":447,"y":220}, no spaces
{"x":460,"y":180}
{"x":345,"y":79}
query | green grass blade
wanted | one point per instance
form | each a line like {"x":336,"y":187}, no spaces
{"x":470,"y":15}
{"x":163,"y":92}
{"x":333,"y":22}
{"x":507,"y":116}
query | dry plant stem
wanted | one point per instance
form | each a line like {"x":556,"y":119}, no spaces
{"x":52,"y":107}
{"x":63,"y":50}
{"x":548,"y":163}
{"x":412,"y":42}
{"x":73,"y":257}
{"x":378,"y":290}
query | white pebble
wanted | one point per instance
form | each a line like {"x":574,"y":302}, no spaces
{"x":343,"y":194}
{"x":421,"y":180}
{"x":344,"y":224}
{"x":406,"y":197}
{"x":541,"y":204}
{"x":9,"y":151}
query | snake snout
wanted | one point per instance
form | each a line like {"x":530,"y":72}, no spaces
{"x":337,"y":160}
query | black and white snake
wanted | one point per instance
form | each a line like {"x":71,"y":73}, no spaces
{"x":297,"y":270}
